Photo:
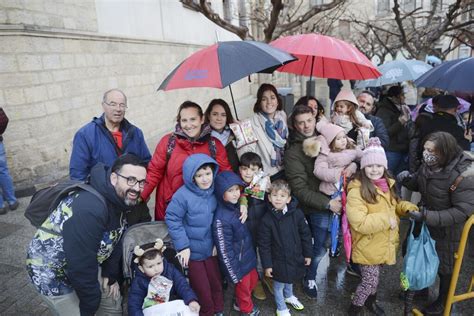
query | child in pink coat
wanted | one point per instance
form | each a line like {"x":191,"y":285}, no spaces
{"x":336,"y":156}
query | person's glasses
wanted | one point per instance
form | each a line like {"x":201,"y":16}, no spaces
{"x":123,"y":106}
{"x":131,"y":181}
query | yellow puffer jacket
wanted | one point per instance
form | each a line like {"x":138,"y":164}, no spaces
{"x":373,"y":242}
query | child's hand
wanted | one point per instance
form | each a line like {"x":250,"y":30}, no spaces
{"x":214,"y":251}
{"x":350,"y":170}
{"x":243,"y":213}
{"x":269,"y":272}
{"x":194,"y":306}
{"x":393,"y":223}
{"x":183,"y":257}
{"x":307,"y":261}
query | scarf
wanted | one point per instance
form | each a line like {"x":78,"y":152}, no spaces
{"x":223,"y":137}
{"x":277,"y":133}
{"x":382,"y":184}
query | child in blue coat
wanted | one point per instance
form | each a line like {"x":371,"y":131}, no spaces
{"x":189,"y":219}
{"x":152,"y":264}
{"x":234,"y":241}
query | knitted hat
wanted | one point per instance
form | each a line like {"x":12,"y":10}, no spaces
{"x":328,"y":130}
{"x":346,"y":95}
{"x":373,"y":154}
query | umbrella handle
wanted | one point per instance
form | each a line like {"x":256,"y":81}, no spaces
{"x":233,"y":103}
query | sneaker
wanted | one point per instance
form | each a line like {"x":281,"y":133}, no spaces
{"x":258,"y":292}
{"x":219,"y":314}
{"x":310,"y":288}
{"x":236,"y":307}
{"x":269,"y":284}
{"x":294,"y":302}
{"x":255,"y":312}
{"x":285,"y":312}
{"x":3,"y":210}
{"x":14,"y":206}
{"x":354,"y":270}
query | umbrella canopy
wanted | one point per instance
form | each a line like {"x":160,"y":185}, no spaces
{"x":325,"y":57}
{"x":397,"y":71}
{"x":221,"y":64}
{"x":454,"y":75}
{"x":335,"y":223}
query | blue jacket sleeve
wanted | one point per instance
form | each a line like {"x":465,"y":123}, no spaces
{"x":181,"y":285}
{"x":380,"y":131}
{"x":223,"y":236}
{"x":80,"y":163}
{"x":82,"y":234}
{"x":175,"y":213}
{"x":136,"y":296}
{"x":145,"y":152}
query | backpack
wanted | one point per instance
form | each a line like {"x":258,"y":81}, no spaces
{"x":45,"y":201}
{"x":172,"y":144}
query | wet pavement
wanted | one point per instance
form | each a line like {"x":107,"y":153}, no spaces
{"x":335,"y":287}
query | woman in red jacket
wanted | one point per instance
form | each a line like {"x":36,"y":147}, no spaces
{"x":191,"y":136}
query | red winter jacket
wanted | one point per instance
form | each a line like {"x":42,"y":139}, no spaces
{"x":170,"y":180}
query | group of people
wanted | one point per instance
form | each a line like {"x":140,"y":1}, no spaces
{"x":253,"y":215}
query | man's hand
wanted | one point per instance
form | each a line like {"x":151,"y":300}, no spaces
{"x":111,"y":290}
{"x":416,"y":216}
{"x":183,"y":257}
{"x":194,"y":306}
{"x":243,"y":213}
{"x":307,"y":261}
{"x":269,"y":272}
{"x":403,"y":175}
{"x":335,"y":205}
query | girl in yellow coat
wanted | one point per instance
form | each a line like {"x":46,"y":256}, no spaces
{"x":373,"y":208}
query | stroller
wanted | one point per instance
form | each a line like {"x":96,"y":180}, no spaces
{"x":143,"y":234}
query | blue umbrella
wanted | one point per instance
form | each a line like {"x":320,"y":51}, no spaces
{"x":396,"y":71}
{"x":453,"y":75}
{"x":336,"y":220}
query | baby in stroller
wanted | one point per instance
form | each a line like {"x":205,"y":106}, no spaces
{"x":157,"y":281}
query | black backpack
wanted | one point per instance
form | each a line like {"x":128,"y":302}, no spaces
{"x":45,"y":201}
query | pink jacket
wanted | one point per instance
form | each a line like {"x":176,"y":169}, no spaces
{"x":329,"y":165}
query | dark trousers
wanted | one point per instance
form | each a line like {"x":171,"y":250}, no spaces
{"x":205,"y":280}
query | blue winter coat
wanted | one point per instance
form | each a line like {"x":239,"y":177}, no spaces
{"x":232,"y":238}
{"x":379,"y":130}
{"x":94,"y":143}
{"x":139,"y":288}
{"x":191,"y":210}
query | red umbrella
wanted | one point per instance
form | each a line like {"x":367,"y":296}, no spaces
{"x":325,"y":57}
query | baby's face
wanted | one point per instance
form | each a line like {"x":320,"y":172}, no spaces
{"x":152,"y":267}
{"x":341,"y":108}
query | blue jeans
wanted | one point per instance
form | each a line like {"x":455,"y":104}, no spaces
{"x":397,"y":162}
{"x":6,"y":183}
{"x":282,"y":291}
{"x":319,"y":224}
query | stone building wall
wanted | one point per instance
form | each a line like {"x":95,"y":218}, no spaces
{"x":54,"y":69}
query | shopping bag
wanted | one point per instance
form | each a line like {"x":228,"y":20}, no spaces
{"x":420,"y":265}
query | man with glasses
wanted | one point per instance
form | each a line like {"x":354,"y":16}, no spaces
{"x":73,"y":259}
{"x":106,"y":138}
{"x":366,"y":102}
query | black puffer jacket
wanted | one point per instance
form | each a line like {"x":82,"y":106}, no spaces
{"x":284,"y":240}
{"x":397,"y":133}
{"x":299,"y":173}
{"x":446,"y":212}
{"x":256,"y":210}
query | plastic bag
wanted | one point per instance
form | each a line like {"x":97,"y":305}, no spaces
{"x":420,"y":265}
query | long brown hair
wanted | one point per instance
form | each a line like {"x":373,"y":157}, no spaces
{"x":368,"y":190}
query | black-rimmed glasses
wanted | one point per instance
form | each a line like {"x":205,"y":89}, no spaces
{"x":131,"y":181}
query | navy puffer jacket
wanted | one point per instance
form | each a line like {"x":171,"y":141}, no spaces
{"x":232,"y":238}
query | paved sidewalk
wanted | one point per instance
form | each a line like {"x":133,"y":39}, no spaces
{"x":17,"y":297}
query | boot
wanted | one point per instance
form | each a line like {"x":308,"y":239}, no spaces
{"x":437,"y":307}
{"x":355,"y":310}
{"x":258,"y":292}
{"x":373,"y":307}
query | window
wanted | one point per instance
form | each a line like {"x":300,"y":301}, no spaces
{"x":383,"y":6}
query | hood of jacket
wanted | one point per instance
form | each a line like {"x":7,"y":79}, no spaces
{"x":100,"y":180}
{"x":224,"y":181}
{"x":191,"y":166}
